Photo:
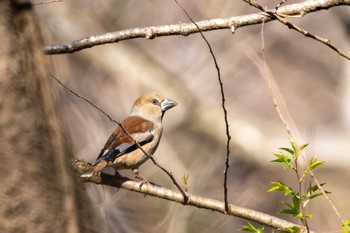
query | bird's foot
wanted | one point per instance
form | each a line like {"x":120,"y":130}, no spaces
{"x":143,"y":180}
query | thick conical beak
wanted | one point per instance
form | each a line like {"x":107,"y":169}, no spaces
{"x":167,"y":104}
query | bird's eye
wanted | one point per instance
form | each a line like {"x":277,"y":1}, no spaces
{"x":155,"y":102}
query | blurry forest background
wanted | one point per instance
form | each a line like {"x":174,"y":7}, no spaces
{"x":313,"y":80}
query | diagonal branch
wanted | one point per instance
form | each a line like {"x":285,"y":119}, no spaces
{"x":186,"y":29}
{"x":81,"y":167}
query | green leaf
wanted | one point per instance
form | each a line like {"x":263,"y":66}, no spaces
{"x":294,"y":145}
{"x":346,"y":226}
{"x":301,"y":216}
{"x":287,"y":149}
{"x":314,"y":163}
{"x":311,"y":192}
{"x":308,"y":216}
{"x":302,"y":147}
{"x":288,"y":204}
{"x":314,"y":195}
{"x":296,"y":203}
{"x":281,"y":158}
{"x":313,"y":188}
{"x":293,"y":229}
{"x":289,"y":211}
{"x":281,"y":187}
{"x":185,"y":180}
{"x":293,"y":207}
{"x":251,"y":228}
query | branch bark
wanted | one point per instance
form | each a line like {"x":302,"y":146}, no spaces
{"x":80,"y":167}
{"x":186,"y":29}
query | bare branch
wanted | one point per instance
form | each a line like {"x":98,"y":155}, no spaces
{"x":81,"y":167}
{"x":186,"y":29}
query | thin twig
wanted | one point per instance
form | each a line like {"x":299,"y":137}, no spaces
{"x":279,"y":5}
{"x":275,"y":94}
{"x":268,"y":78}
{"x":227,"y":159}
{"x":290,"y":25}
{"x":127,"y":133}
{"x":300,"y":191}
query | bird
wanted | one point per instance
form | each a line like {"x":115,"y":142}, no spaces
{"x":144,"y":125}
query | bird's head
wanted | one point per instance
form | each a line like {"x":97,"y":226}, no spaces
{"x":152,"y":106}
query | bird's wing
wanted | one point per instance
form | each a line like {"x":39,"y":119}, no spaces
{"x":119,"y":143}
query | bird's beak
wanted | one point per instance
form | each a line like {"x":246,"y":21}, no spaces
{"x":167,"y":104}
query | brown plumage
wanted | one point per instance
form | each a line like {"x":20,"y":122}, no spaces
{"x":144,"y":125}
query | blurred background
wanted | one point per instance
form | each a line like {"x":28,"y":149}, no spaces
{"x":313,"y":81}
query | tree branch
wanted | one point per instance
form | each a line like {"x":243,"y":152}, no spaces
{"x":80,"y":167}
{"x":186,"y":29}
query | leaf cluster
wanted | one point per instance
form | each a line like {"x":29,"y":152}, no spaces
{"x":346,"y":226}
{"x":298,"y":198}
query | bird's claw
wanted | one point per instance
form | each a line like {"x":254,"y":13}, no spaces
{"x":142,"y":180}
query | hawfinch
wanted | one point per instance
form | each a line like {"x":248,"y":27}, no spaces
{"x":144,"y":124}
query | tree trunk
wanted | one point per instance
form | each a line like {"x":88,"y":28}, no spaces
{"x":38,"y":192}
